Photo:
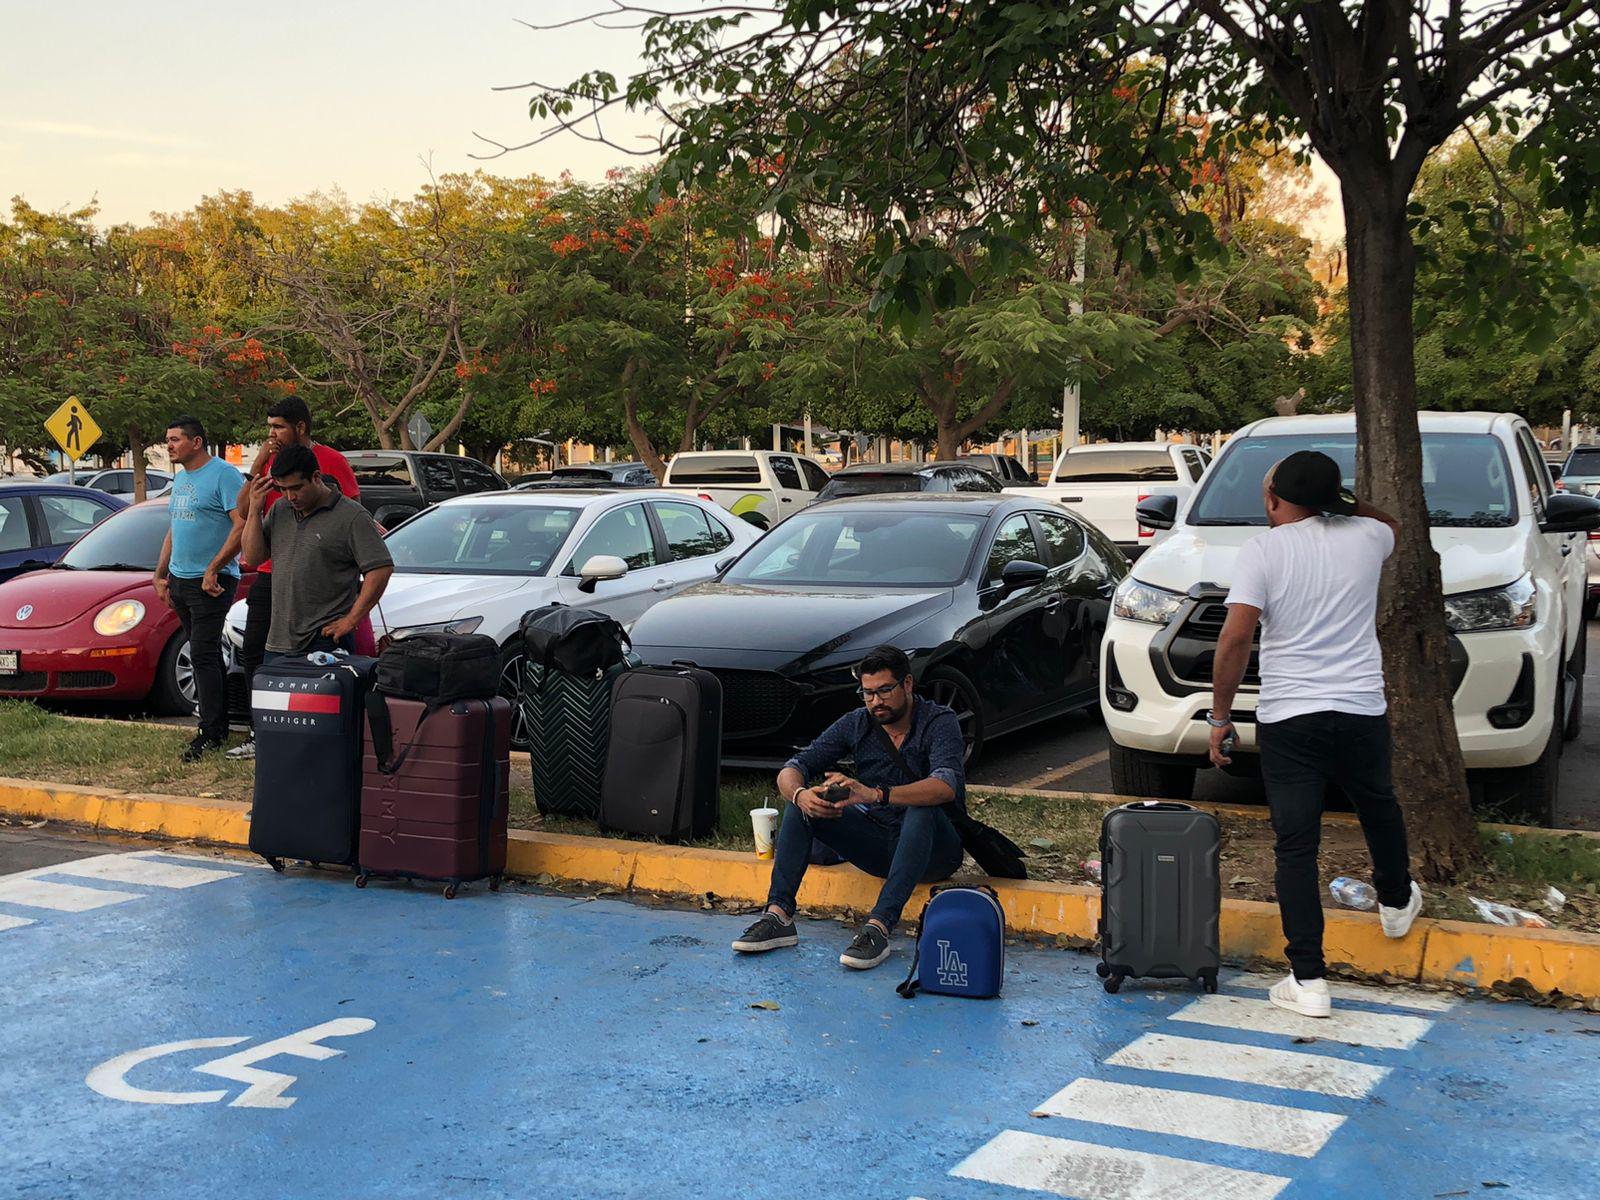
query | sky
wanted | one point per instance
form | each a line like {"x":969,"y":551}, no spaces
{"x":147,"y":107}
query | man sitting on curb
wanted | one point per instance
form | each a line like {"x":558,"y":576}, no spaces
{"x":886,"y":826}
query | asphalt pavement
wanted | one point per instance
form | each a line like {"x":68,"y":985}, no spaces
{"x":194,"y":1025}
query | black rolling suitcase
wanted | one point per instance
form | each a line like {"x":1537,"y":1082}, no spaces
{"x":664,"y":764}
{"x":308,"y":721}
{"x":1161,"y":899}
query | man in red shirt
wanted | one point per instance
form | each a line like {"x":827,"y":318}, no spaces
{"x":288,"y":424}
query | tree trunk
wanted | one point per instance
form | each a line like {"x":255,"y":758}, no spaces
{"x":136,"y":450}
{"x":642,"y":445}
{"x":1428,"y":773}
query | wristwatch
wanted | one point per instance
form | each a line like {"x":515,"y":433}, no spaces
{"x":1212,"y":721}
{"x":883,"y":794}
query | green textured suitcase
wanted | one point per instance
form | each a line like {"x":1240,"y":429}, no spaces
{"x":568,"y":719}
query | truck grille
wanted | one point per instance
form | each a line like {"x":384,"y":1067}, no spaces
{"x":1193,"y":650}
{"x":755,"y":702}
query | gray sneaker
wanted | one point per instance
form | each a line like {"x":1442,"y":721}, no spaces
{"x":869,"y":949}
{"x":769,"y":933}
{"x":244,"y":750}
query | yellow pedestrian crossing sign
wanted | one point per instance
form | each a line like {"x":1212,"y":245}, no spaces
{"x":73,"y":428}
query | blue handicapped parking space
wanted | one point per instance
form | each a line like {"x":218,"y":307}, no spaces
{"x":254,"y":1035}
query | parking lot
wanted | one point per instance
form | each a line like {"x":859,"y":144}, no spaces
{"x":205,"y":1027}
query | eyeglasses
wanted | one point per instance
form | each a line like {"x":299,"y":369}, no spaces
{"x":880,"y":693}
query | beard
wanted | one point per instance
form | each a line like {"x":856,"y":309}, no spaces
{"x":887,"y":716}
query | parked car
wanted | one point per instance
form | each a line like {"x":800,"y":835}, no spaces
{"x":38,"y":521}
{"x":761,"y":486}
{"x":1581,"y":474}
{"x":628,"y":474}
{"x":395,"y":484}
{"x":1105,"y":483}
{"x":869,"y":478}
{"x":1000,"y":602}
{"x":115,"y":482}
{"x":91,"y":627}
{"x":1003,"y":467}
{"x":1514,"y":593}
{"x":475,"y":564}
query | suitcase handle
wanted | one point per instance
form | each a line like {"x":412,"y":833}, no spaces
{"x":1158,"y":806}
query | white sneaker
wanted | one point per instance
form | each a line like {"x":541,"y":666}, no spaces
{"x":244,"y":750}
{"x":1397,"y":921}
{"x":1309,"y":999}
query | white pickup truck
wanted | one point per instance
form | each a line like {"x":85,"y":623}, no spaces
{"x":763,"y":487}
{"x":1104,"y":483}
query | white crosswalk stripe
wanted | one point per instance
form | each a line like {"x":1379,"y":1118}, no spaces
{"x":64,"y":897}
{"x":1394,"y":997}
{"x":1090,"y":1172}
{"x":123,"y":868}
{"x":1287,"y":1069}
{"x":13,"y":922}
{"x":1246,"y":1123}
{"x":1383,"y":1031}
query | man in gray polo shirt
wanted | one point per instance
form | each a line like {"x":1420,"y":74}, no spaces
{"x":329,"y":564}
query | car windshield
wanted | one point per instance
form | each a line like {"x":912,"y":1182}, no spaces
{"x":909,"y":549}
{"x":1465,"y":478}
{"x":1585,"y":462}
{"x":1117,"y":466}
{"x":481,"y":539}
{"x":130,"y":540}
{"x":867,"y":484}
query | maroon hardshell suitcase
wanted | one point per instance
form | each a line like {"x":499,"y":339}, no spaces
{"x":439,"y":809}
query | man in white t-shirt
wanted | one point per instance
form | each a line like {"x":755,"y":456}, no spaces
{"x":1311,"y":582}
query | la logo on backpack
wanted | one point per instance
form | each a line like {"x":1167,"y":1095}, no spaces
{"x":962,"y":935}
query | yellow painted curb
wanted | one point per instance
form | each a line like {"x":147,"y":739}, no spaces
{"x":1449,"y":953}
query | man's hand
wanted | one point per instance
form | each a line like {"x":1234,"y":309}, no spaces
{"x":1218,"y":758}
{"x":209,"y":583}
{"x":860,"y":793}
{"x":342,"y":628}
{"x":813,"y":805}
{"x":260,"y":486}
{"x":163,"y":587}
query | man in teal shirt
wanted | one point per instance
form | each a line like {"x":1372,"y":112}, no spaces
{"x":199,"y":569}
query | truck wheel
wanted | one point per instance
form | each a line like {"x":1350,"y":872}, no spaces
{"x":1575,"y":672}
{"x":1529,"y":791}
{"x":1135,"y":773}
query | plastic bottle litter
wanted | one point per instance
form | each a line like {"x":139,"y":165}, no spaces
{"x":1554,"y":900}
{"x":1505,"y":914}
{"x":1353,"y":893}
{"x":1091,"y":868}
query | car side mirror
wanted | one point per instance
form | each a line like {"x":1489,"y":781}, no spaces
{"x":599,"y":569}
{"x":1157,"y":512}
{"x":1568,"y":512}
{"x":1015,"y":576}
{"x":722,"y":564}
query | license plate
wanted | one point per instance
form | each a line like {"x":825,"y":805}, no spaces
{"x":10,"y":662}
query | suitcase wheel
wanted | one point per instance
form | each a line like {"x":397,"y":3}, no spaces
{"x":450,"y":890}
{"x":1113,"y":983}
{"x":1209,"y":982}
{"x":494,"y":884}
{"x":361,"y":880}
{"x":276,"y":864}
{"x":1101,"y":970}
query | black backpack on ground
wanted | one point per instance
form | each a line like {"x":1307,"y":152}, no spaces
{"x":574,"y":658}
{"x":664,"y":765}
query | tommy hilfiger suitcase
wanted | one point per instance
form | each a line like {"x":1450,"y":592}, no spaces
{"x":308,"y":720}
{"x":1161,"y":902}
{"x":664,"y":765}
{"x":435,"y":786}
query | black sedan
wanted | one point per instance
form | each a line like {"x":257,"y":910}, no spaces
{"x":1000,"y":601}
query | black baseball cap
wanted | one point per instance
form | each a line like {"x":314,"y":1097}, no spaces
{"x":1312,"y":480}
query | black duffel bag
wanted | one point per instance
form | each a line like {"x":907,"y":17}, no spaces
{"x":578,"y":641}
{"x":437,"y":668}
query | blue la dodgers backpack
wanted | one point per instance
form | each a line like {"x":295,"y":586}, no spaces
{"x":961,"y":945}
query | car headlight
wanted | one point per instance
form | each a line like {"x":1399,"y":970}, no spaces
{"x":1141,"y":602}
{"x":459,"y":625}
{"x":1509,"y":607}
{"x":118,"y":618}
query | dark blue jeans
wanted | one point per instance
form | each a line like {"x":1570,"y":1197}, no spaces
{"x":922,"y":848}
{"x":1300,"y":758}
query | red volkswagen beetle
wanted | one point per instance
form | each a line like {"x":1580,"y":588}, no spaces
{"x":91,"y":627}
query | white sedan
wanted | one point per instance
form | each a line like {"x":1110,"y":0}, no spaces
{"x":476,"y":564}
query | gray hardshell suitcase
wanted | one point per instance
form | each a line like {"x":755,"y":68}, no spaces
{"x":1161,"y":899}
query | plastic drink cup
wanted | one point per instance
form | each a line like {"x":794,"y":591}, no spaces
{"x":764,"y":821}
